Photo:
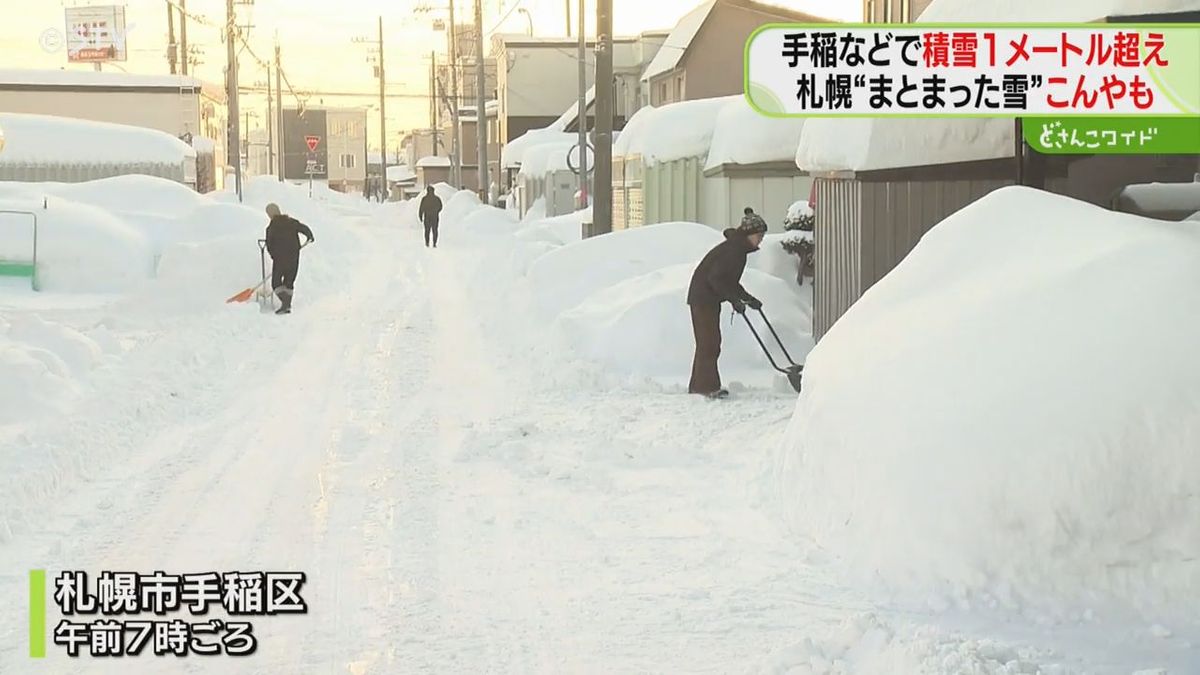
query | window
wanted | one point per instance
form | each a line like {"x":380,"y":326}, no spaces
{"x":346,"y":161}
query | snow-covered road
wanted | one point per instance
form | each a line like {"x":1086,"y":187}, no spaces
{"x":464,"y":492}
{"x":461,"y":499}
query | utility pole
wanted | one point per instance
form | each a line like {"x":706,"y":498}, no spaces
{"x":279,"y":106}
{"x":183,"y":45}
{"x":455,"y":149}
{"x":231,"y":81}
{"x":382,"y":112}
{"x":568,"y":4}
{"x":581,"y":118}
{"x":172,"y":48}
{"x":270,"y":126}
{"x":602,"y":204}
{"x":481,"y":129}
{"x":433,"y":99}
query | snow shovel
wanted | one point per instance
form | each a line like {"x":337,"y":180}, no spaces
{"x":245,"y":295}
{"x":794,"y":372}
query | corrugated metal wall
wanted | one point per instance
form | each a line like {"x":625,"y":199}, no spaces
{"x":672,"y":191}
{"x":837,"y":235}
{"x":864,"y":229}
{"x":78,"y":173}
{"x":896,"y":214}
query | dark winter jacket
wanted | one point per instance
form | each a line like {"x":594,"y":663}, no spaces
{"x":718,"y":277}
{"x":431,"y":209}
{"x":283,"y":237}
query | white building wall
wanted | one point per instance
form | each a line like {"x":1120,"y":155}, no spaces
{"x":347,"y":135}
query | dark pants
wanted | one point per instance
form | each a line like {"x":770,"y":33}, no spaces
{"x":431,"y":226}
{"x":706,"y":325}
{"x":283,"y":278}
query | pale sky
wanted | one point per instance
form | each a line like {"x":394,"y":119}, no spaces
{"x":316,"y":38}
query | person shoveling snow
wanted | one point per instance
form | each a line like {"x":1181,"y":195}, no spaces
{"x":717,"y":279}
{"x":283,"y":243}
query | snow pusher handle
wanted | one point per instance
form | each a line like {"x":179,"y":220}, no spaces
{"x":794,"y":373}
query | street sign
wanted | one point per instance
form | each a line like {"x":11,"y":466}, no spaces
{"x":573,"y":158}
{"x":313,"y":142}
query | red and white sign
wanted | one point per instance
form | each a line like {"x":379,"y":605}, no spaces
{"x":313,"y":142}
{"x":96,"y":34}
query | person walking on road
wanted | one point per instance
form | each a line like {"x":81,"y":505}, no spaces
{"x":430,"y":213}
{"x":283,"y":243}
{"x":718,"y":279}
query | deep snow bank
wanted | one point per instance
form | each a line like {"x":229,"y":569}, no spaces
{"x":42,"y":365}
{"x":1014,"y":412}
{"x":566,"y":276}
{"x":80,"y":248}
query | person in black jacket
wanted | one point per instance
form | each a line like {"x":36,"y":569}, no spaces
{"x":717,"y":279}
{"x":430,"y":213}
{"x":283,"y":243}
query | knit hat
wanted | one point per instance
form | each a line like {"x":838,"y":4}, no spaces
{"x":273,"y":210}
{"x":752,"y":223}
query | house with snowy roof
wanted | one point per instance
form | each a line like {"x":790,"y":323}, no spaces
{"x":702,"y":56}
{"x":705,"y":161}
{"x":49,"y":148}
{"x":179,"y":105}
{"x":881,"y":183}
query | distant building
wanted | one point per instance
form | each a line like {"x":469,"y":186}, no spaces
{"x":702,"y":56}
{"x":184,"y":107}
{"x":540,"y":79}
{"x":340,"y":156}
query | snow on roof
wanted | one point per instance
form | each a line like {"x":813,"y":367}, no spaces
{"x":672,"y":131}
{"x":512,"y":155}
{"x":1183,"y":197}
{"x":684,"y":33}
{"x":671,"y":52}
{"x":546,"y":158}
{"x":202,"y":144}
{"x":572,"y":113}
{"x":742,"y":136}
{"x":1041,"y":11}
{"x":45,"y":139}
{"x":432,"y":161}
{"x":91,"y":78}
{"x":864,"y":144}
{"x":400,"y":173}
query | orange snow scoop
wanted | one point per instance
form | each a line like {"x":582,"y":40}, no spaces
{"x":244,"y":296}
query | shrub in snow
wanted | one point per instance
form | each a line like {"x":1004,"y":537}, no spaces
{"x":800,"y":219}
{"x":1014,"y":421}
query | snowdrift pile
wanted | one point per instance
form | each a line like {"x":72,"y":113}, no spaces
{"x":1013,"y":415}
{"x":117,"y":234}
{"x":41,"y":365}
